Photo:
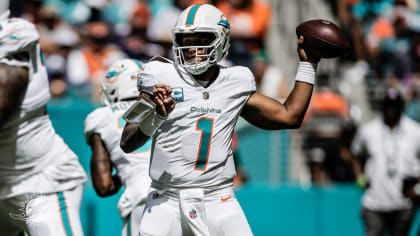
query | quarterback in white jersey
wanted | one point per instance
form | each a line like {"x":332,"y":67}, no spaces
{"x":41,"y":178}
{"x":103,"y":128}
{"x":190,"y":107}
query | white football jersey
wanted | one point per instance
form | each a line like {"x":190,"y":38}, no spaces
{"x":38,"y":91}
{"x":27,"y":137}
{"x":28,"y":142}
{"x":193,"y":147}
{"x":107,"y":121}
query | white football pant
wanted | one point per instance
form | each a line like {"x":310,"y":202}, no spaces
{"x":50,"y":214}
{"x":131,"y":224}
{"x":192,"y":213}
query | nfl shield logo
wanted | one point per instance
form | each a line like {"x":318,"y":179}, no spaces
{"x":193,"y":214}
{"x":206,"y":95}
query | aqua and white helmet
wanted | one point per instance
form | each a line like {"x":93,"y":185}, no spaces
{"x":120,"y":81}
{"x":203,"y":18}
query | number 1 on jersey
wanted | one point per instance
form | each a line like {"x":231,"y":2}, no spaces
{"x":205,"y":125}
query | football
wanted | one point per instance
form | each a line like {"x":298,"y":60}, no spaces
{"x":323,"y":38}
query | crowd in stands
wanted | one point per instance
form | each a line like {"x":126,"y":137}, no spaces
{"x":385,"y":54}
{"x":81,"y":38}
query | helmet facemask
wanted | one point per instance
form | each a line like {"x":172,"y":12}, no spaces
{"x":207,"y":53}
{"x":203,"y":21}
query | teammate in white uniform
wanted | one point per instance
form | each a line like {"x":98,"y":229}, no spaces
{"x":103,"y":128}
{"x":41,"y":178}
{"x":192,"y":166}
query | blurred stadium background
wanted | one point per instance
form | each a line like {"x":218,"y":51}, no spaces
{"x":294,"y":182}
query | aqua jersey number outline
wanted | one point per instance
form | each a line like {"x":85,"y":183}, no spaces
{"x":205,"y":126}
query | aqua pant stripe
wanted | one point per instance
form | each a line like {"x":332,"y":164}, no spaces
{"x":64,"y":215}
{"x":129,"y":225}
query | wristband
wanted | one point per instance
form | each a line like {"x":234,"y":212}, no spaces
{"x":139,"y":111}
{"x":306,"y":72}
{"x":151,"y":123}
{"x":144,"y":113}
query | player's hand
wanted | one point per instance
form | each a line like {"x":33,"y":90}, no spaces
{"x":164,"y":102}
{"x":305,"y":55}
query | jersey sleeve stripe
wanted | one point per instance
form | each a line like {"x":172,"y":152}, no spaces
{"x":137,"y":63}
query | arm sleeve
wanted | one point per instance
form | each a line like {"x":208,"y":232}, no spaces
{"x":251,"y":79}
{"x":242,"y":78}
{"x":247,"y":79}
